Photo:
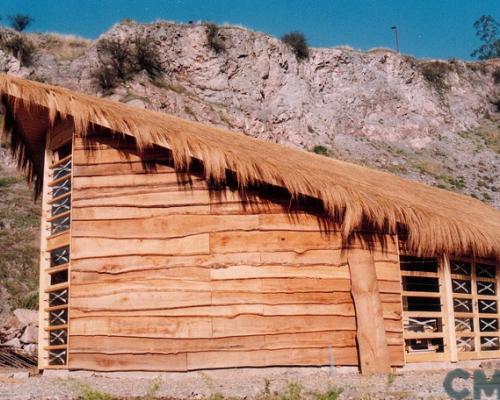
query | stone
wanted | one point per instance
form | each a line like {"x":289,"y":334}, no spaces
{"x":26,"y":317}
{"x":13,"y":343}
{"x":30,"y":334}
{"x":31,"y":348}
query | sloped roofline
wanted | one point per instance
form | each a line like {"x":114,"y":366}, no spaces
{"x":436,"y":221}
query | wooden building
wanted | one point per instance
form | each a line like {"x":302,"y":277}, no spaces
{"x":168,"y":245}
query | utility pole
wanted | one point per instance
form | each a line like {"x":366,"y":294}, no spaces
{"x":395,"y":29}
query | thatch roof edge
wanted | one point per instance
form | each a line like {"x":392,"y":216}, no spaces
{"x":444,"y":223}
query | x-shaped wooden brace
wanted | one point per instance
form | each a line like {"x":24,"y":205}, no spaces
{"x":61,"y":256}
{"x":487,"y":304}
{"x":488,"y":287}
{"x":62,"y":170}
{"x":465,"y":323}
{"x":60,"y":225}
{"x":58,"y":336}
{"x":61,"y":206}
{"x":484,"y":271}
{"x":466,"y":343}
{"x":424,"y":324}
{"x":489,"y":342}
{"x":487,"y":325}
{"x":461,"y":303}
{"x":458,"y":268}
{"x":59,"y":356}
{"x":57,"y":317}
{"x":62,"y":295}
{"x":459,"y":285}
{"x":62,"y":188}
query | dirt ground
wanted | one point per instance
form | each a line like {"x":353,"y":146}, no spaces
{"x":246,"y":383}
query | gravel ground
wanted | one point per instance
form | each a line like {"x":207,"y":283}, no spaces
{"x":248,"y":383}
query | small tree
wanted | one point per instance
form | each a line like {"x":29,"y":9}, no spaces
{"x":298,"y":42}
{"x":487,"y":30}
{"x":213,"y":39}
{"x":20,"y":22}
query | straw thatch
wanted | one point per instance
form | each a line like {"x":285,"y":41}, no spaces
{"x":437,"y":221}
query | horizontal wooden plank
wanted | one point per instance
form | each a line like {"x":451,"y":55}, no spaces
{"x":263,"y":358}
{"x":136,"y":180}
{"x":120,"y":168}
{"x":149,"y":327}
{"x":164,"y":226}
{"x":127,"y":362}
{"x":131,"y":345}
{"x":103,"y":247}
{"x":202,"y":327}
{"x":132,"y":212}
{"x":156,"y":199}
{"x":103,"y":155}
{"x":241,"y":297}
{"x":278,"y":271}
{"x":232,"y":242}
{"x":248,"y":325}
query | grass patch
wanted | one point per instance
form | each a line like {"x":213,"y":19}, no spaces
{"x":321,"y":150}
{"x":19,"y":237}
{"x":436,"y":73}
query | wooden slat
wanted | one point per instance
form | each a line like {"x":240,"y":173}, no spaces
{"x":59,"y":268}
{"x":60,"y":162}
{"x":58,"y":240}
{"x":59,"y":286}
{"x":420,"y":294}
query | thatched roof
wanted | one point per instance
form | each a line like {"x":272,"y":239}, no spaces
{"x":437,"y":221}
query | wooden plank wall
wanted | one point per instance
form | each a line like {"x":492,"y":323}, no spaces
{"x":169,"y":275}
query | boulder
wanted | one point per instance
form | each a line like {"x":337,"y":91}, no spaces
{"x":13,"y":343}
{"x":31,"y":348}
{"x":30,"y":334}
{"x":26,"y":317}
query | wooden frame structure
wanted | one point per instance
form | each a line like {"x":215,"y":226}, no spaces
{"x":168,"y":245}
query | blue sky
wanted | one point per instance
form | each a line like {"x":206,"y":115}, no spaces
{"x":428,"y":28}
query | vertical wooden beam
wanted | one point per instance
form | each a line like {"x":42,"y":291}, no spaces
{"x":44,"y":262}
{"x":449,"y":314}
{"x":372,"y":343}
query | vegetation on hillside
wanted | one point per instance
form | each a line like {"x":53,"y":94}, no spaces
{"x":19,"y":243}
{"x":20,"y":22}
{"x":214,"y":39}
{"x":120,"y":60}
{"x":298,"y":43}
{"x":487,"y":30}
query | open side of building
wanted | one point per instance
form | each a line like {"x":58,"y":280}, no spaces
{"x":172,"y":246}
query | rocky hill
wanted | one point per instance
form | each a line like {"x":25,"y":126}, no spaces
{"x":429,"y":120}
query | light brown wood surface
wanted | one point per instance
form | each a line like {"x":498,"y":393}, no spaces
{"x":170,"y":274}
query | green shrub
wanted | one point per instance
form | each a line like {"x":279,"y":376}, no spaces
{"x":120,"y":60}
{"x":86,"y":392}
{"x":20,"y":47}
{"x":332,"y":393}
{"x":298,"y":43}
{"x":146,"y":56}
{"x":435,"y":73}
{"x":214,"y":41}
{"x":321,"y":150}
{"x":8,"y":181}
{"x":292,"y":392}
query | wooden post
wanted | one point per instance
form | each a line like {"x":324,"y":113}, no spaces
{"x":44,"y":263}
{"x":372,"y":343}
{"x":449,"y":322}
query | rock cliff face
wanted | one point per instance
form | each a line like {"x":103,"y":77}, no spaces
{"x":434,"y":121}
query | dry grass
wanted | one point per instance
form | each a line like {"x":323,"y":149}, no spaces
{"x":437,"y":221}
{"x":19,"y":232}
{"x":62,"y":47}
